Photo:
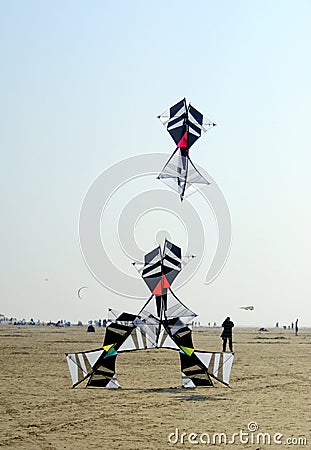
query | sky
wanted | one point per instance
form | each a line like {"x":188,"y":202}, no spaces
{"x":82,"y":84}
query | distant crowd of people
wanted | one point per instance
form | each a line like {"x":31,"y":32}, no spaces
{"x":58,"y":323}
{"x":226,"y":334}
{"x":289,"y":327}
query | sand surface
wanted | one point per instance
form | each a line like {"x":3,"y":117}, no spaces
{"x":270,"y":385}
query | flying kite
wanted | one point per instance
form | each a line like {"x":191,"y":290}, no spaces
{"x":247,"y":308}
{"x":185,"y":124}
{"x":161,"y":323}
{"x":79,"y":291}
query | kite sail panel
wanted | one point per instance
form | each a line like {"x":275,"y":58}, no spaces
{"x":181,"y":175}
{"x":160,"y":269}
{"x":80,"y":364}
{"x":176,"y":309}
{"x":185,"y":124}
{"x":174,"y":119}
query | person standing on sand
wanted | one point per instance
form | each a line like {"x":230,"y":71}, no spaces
{"x":227,"y":334}
{"x":296,"y":327}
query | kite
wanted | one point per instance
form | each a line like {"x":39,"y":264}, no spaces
{"x":185,"y":124}
{"x":247,"y":308}
{"x":79,"y":291}
{"x":161,"y":323}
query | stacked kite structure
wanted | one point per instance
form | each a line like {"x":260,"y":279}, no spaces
{"x":163,"y":322}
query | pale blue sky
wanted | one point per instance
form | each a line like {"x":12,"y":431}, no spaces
{"x":81,"y":86}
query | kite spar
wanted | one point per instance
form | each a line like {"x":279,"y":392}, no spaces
{"x":186,"y":125}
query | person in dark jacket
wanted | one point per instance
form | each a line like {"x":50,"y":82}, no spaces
{"x":227,"y":334}
{"x":296,"y":327}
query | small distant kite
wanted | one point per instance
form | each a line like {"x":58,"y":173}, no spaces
{"x":185,"y":124}
{"x":79,"y":291}
{"x":247,"y":308}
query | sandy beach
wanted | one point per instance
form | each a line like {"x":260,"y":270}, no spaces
{"x":270,"y":393}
